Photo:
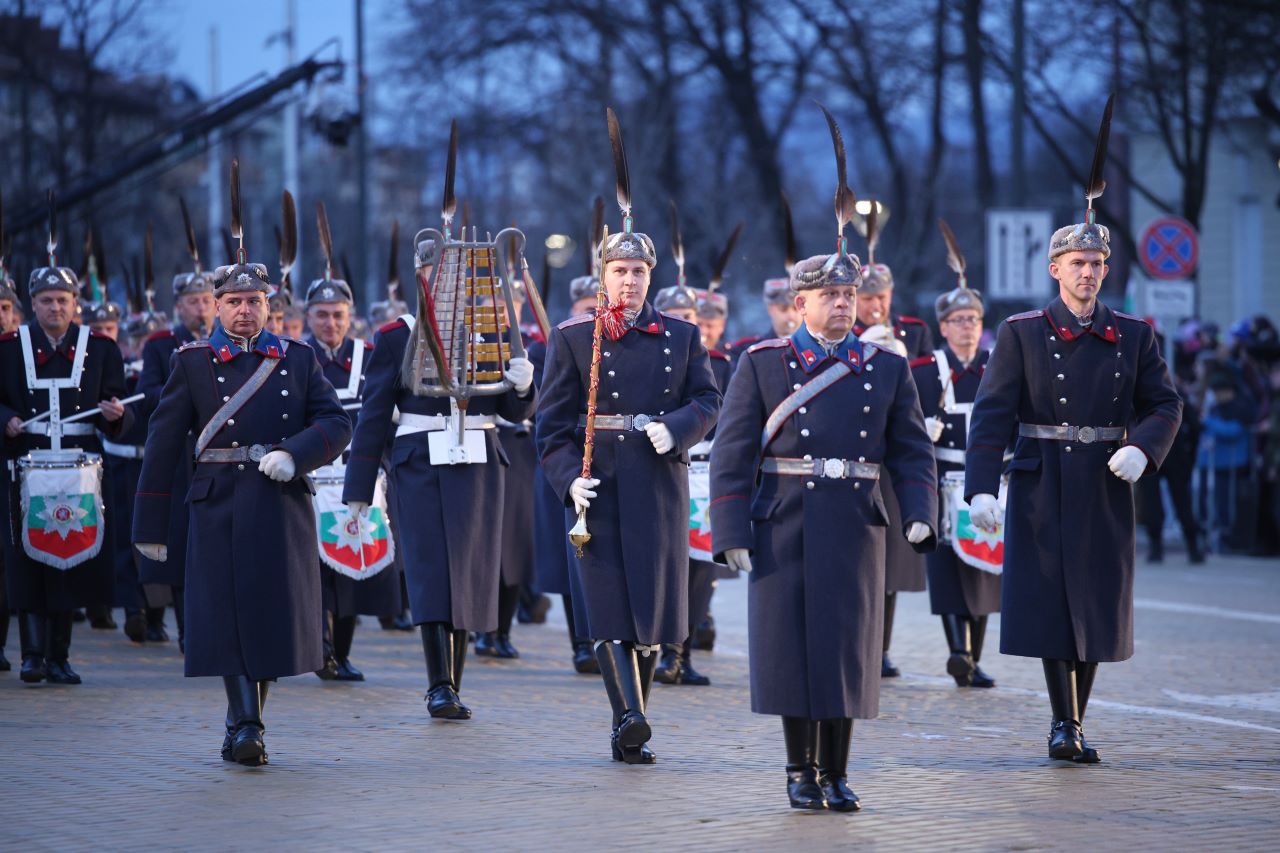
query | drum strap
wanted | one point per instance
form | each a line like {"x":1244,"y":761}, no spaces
{"x":352,"y":391}
{"x":54,"y":386}
{"x":949,"y":404}
{"x":238,"y":399}
{"x":801,"y":396}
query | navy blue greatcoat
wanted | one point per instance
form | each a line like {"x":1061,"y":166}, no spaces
{"x":449,"y":516}
{"x":33,"y":585}
{"x":344,"y":596}
{"x":119,"y":486}
{"x":816,"y":595}
{"x":550,"y":545}
{"x":632,"y":582}
{"x":518,"y":556}
{"x":157,"y":356}
{"x":1069,"y":527}
{"x":955,"y":587}
{"x":252,"y":590}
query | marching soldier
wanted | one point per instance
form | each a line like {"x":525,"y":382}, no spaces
{"x":343,"y":362}
{"x":55,"y":559}
{"x":264,"y":416}
{"x":656,"y":399}
{"x":947,"y":380}
{"x":1094,"y":408}
{"x":813,"y":423}
{"x":194,"y":315}
{"x":8,"y":322}
{"x":910,"y":338}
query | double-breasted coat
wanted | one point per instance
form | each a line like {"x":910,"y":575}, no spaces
{"x":450,"y":516}
{"x":344,"y":596}
{"x":816,"y":594}
{"x":550,"y":545}
{"x":33,"y":585}
{"x":252,"y":593}
{"x":955,"y":587}
{"x":122,"y":463}
{"x":632,"y":582}
{"x":518,"y":555}
{"x":1069,"y":524}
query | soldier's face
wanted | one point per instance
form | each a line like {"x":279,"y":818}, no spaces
{"x":110,"y":328}
{"x":785,"y":318}
{"x":874,"y":308}
{"x":1080,"y":275}
{"x":275,"y":322}
{"x":6,"y":316}
{"x":962,"y":329}
{"x":712,"y":329}
{"x":689,"y":315}
{"x":329,"y":322}
{"x":828,"y":311}
{"x":585,"y":305}
{"x":627,"y":283}
{"x":243,"y":313}
{"x":293,"y":326}
{"x":54,"y":310}
{"x":196,"y":310}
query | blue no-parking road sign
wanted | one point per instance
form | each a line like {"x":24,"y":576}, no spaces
{"x":1169,"y":248}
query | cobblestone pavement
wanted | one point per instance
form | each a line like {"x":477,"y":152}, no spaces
{"x":1189,"y":731}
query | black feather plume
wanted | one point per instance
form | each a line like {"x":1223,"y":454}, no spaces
{"x":620,"y":166}
{"x":326,"y":239}
{"x":677,"y":245}
{"x":193,"y":248}
{"x":237,"y":221}
{"x":450,"y":203}
{"x":789,"y":233}
{"x":955,"y":260}
{"x":717,"y":275}
{"x":844,"y":196}
{"x":393,"y":265}
{"x":52,"y":245}
{"x":289,"y":236}
{"x":228,"y":245}
{"x":1096,"y":183}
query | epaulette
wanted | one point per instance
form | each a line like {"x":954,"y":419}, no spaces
{"x":158,"y":334}
{"x":392,"y":326}
{"x":193,"y":345}
{"x":915,"y":321}
{"x":577,"y":321}
{"x":8,"y":336}
{"x":1125,"y":316}
{"x":923,"y":360}
{"x":769,"y":343}
{"x":746,"y":341}
{"x":1026,"y":315}
{"x":368,"y":344}
{"x":885,"y":349}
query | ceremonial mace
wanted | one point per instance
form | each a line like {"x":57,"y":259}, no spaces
{"x":579,"y":535}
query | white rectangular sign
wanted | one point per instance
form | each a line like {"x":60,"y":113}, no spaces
{"x":1017,"y":254}
{"x":1171,"y":301}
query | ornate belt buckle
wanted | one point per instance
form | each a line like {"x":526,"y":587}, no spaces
{"x":257,"y":451}
{"x":1086,"y":435}
{"x":833,"y":469}
{"x":639,"y":422}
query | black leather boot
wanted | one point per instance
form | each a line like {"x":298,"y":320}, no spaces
{"x":978,"y":631}
{"x":31,"y":635}
{"x":180,"y":615}
{"x":437,"y":648}
{"x":244,"y":704}
{"x":486,"y":644}
{"x":704,"y":636}
{"x":344,"y":632}
{"x":155,"y":631}
{"x":100,"y":618}
{"x":689,"y":675}
{"x":459,"y":657}
{"x":960,"y":664}
{"x":833,"y":763}
{"x":887,"y":669}
{"x":668,"y":671}
{"x":135,"y":625}
{"x":803,"y":789}
{"x":57,"y":666}
{"x":584,"y":660}
{"x":5,"y":666}
{"x":620,"y":672}
{"x":329,"y":669}
{"x":1064,"y":736}
{"x":503,"y":647}
{"x":1085,"y":673}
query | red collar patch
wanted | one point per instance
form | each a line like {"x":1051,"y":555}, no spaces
{"x":808,"y":356}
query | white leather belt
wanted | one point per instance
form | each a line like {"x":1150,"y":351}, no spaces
{"x":836,"y":469}
{"x":42,"y":428}
{"x":127,"y":451}
{"x":948,"y":454}
{"x":410,"y":423}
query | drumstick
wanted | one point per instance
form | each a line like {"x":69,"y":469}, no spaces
{"x":135,"y":398}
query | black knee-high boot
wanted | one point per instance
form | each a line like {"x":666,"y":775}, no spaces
{"x":329,"y":670}
{"x":459,"y":656}
{"x":584,"y":657}
{"x":620,"y":671}
{"x":801,"y":736}
{"x":1064,"y":737}
{"x":978,"y":632}
{"x":437,"y":648}
{"x":5,"y":666}
{"x":244,"y":713}
{"x":887,"y":669}
{"x":833,"y":764}
{"x":497,"y":644}
{"x":1085,"y":673}
{"x":57,"y":665}
{"x":344,"y":632}
{"x":31,"y":636}
{"x":960,"y":663}
{"x":180,"y":615}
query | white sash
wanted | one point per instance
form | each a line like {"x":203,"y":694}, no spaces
{"x":53,"y":386}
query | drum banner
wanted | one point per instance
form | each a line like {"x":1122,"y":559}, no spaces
{"x":699,"y":504}
{"x":62,"y":519}
{"x":974,"y":546}
{"x":357,"y":548}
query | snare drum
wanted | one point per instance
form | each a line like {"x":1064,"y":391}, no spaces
{"x":61,"y":502}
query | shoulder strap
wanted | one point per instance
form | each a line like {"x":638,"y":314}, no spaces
{"x":357,"y":365}
{"x":798,"y":398}
{"x":238,"y":399}
{"x":944,"y":377}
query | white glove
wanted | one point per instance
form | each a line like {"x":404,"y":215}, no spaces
{"x":581,"y":492}
{"x":519,"y":373}
{"x":738,"y":559}
{"x":917,"y":532}
{"x":934,"y":427}
{"x":660,"y":435}
{"x":1128,"y":463}
{"x":985,"y":512}
{"x":152,"y":551}
{"x":357,"y":508}
{"x":278,"y":465}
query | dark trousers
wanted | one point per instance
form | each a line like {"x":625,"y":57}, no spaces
{"x":1151,"y":506}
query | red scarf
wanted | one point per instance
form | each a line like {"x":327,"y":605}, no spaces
{"x":616,"y":323}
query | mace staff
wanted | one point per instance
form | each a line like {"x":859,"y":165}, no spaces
{"x":579,"y":535}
